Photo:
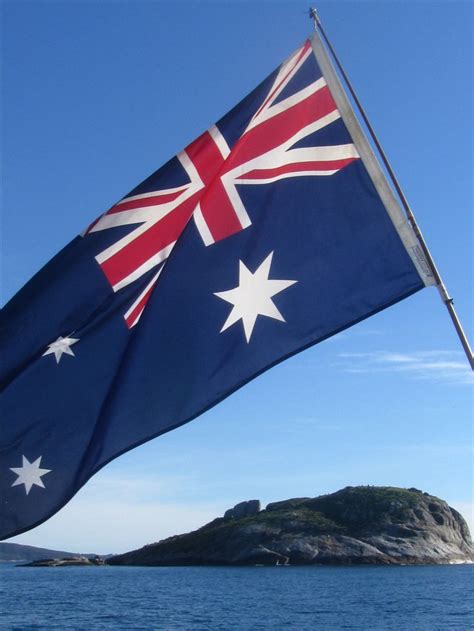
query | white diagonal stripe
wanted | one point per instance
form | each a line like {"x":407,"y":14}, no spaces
{"x":156,"y":259}
{"x":220,"y":141}
{"x":140,"y":297}
{"x":165,"y":191}
{"x":278,"y":158}
{"x":270,"y":111}
{"x":274,"y":92}
{"x":283,"y":176}
{"x":149,"y":214}
{"x":195,"y":185}
{"x":202,"y":226}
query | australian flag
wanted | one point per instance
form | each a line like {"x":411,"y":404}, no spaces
{"x":272,"y":231}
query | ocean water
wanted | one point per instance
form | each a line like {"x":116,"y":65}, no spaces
{"x":244,"y":598}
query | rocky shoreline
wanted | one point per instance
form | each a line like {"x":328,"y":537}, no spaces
{"x":66,"y":562}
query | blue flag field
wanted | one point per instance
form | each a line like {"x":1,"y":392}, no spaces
{"x":272,"y":231}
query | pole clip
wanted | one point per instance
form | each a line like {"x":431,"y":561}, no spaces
{"x":313,"y":14}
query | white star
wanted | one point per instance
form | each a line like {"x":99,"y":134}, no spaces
{"x":60,"y":346}
{"x":253,"y":296}
{"x":29,"y":474}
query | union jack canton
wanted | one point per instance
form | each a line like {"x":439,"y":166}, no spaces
{"x":297,"y":104}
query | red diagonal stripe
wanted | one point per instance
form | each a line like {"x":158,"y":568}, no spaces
{"x":149,"y":243}
{"x":132,"y":316}
{"x":218,"y":212}
{"x":144,"y":202}
{"x":205,"y":156}
{"x":280,"y":128}
{"x":326,"y":165}
{"x":301,"y":54}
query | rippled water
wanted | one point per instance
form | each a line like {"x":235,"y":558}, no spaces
{"x":301,"y":598}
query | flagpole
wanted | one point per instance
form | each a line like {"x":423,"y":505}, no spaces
{"x":445,"y":297}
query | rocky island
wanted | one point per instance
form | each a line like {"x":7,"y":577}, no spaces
{"x":19,"y":553}
{"x":356,"y":525}
{"x":77,"y":561}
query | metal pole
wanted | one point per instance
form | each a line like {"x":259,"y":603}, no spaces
{"x":447,"y":300}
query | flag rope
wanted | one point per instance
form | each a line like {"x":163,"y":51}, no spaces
{"x":445,"y":297}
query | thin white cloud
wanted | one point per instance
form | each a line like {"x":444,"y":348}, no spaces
{"x":139,"y":488}
{"x":366,"y":332}
{"x":428,"y":450}
{"x":354,"y":332}
{"x":437,"y":365}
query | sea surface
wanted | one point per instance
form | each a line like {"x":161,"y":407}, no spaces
{"x":206,"y":598}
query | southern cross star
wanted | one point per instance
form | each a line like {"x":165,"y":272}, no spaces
{"x":61,"y":346}
{"x":253,"y":296}
{"x":29,"y":474}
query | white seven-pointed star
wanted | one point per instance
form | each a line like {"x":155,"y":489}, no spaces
{"x":29,"y":474}
{"x":60,"y":346}
{"x":253,"y":296}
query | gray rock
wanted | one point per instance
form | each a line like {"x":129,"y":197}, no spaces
{"x":66,"y":562}
{"x":243,"y":509}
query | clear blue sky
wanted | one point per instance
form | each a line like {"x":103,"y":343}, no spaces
{"x":96,"y":95}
